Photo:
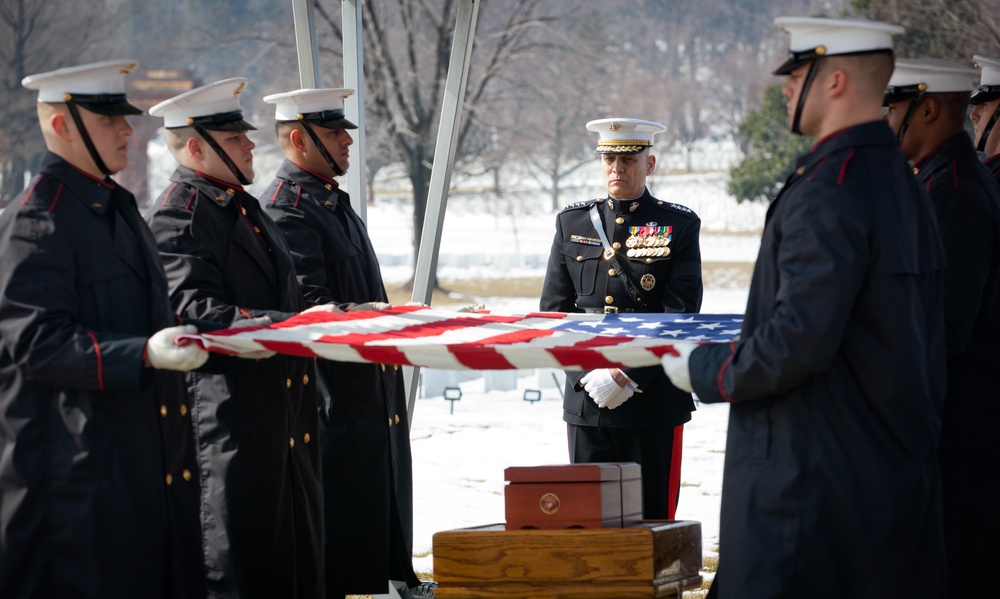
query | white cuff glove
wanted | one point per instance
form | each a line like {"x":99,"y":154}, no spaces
{"x":604,"y":389}
{"x":331,"y":308}
{"x":163,"y":352}
{"x":369,"y":306}
{"x":676,"y":367}
{"x":472,"y":308}
{"x":260,"y":321}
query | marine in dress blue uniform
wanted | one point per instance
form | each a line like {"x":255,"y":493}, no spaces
{"x":652,"y":264}
{"x":98,"y":484}
{"x":966,"y":200}
{"x":364,"y":433}
{"x":226,"y":261}
{"x":986,"y":111}
{"x":837,"y":382}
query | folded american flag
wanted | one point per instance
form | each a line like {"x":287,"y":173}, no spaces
{"x":484,"y":340}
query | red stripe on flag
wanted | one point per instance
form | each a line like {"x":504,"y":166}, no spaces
{"x":479,"y":356}
{"x":578,"y":354}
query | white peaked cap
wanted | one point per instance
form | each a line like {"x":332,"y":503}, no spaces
{"x":218,"y":98}
{"x":623,"y":135}
{"x":105,"y":79}
{"x":812,"y":37}
{"x":989,"y":82}
{"x":937,"y":76}
{"x":324,"y":107}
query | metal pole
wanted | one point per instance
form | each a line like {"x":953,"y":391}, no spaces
{"x":354,"y":106}
{"x":305,"y":42}
{"x":444,"y":156}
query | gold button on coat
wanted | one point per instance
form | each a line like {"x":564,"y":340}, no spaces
{"x":306,"y":438}
{"x":397,"y":418}
{"x":612,"y":272}
{"x":579,"y":258}
{"x":184,"y":410}
{"x":186,"y":474}
{"x":395,"y":367}
{"x":620,"y":220}
{"x":609,"y":300}
{"x":616,"y":245}
{"x":170,"y":479}
{"x":291,"y":441}
{"x":383,"y":367}
{"x":305,"y":379}
{"x":163,"y":411}
{"x":390,"y":422}
{"x":288,"y":383}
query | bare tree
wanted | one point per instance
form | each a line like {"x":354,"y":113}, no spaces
{"x":38,"y":35}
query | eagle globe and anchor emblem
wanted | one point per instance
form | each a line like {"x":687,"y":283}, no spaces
{"x":549,"y":503}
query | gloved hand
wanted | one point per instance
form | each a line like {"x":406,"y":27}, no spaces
{"x":417,"y":304}
{"x":676,"y":367}
{"x":163,"y":352}
{"x":605,"y":390}
{"x":331,"y":308}
{"x":369,"y":306}
{"x":260,"y":321}
{"x":472,"y":308}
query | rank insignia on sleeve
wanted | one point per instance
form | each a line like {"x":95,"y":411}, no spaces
{"x":584,"y":240}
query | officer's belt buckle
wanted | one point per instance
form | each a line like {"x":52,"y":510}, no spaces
{"x":609,"y":253}
{"x":611,"y":309}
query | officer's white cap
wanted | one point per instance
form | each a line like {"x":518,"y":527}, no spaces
{"x":215,"y":107}
{"x":98,"y":86}
{"x":989,"y":82}
{"x":324,"y":107}
{"x":929,"y":75}
{"x":624,"y":136}
{"x":813,"y":37}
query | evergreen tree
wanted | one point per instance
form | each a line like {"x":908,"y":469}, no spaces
{"x":771,"y":150}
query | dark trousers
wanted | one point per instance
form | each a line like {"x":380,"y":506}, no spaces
{"x":654,"y":450}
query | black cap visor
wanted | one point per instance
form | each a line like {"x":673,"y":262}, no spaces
{"x":985,"y":93}
{"x":898,"y":93}
{"x":106,"y":104}
{"x":328,"y":119}
{"x":223,"y":121}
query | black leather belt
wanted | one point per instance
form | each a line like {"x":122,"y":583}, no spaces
{"x":607,"y":310}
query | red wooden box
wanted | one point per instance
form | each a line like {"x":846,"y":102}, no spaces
{"x":572,"y":496}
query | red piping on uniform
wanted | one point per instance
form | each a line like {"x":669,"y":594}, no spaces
{"x":276,"y":191}
{"x":244,"y":313}
{"x":55,"y":200}
{"x":722,"y":371}
{"x":929,"y":179}
{"x":813,"y":173}
{"x":94,"y":179}
{"x":31,"y":190}
{"x":820,"y":142}
{"x":319,"y":176}
{"x":194,"y":194}
{"x":954,"y":172}
{"x":298,"y":196}
{"x":166,"y":196}
{"x":674,"y":484}
{"x":100,"y":365}
{"x":219,"y":181}
{"x":843,"y":168}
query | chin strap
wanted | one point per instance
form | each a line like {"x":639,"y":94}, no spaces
{"x":910,"y":111}
{"x":322,"y":150}
{"x":222,"y":154}
{"x":75,"y":113}
{"x":981,"y":146}
{"x":813,"y":69}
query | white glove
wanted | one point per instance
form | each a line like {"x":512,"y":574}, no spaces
{"x":260,"y":321}
{"x":163,"y":352}
{"x":605,"y":390}
{"x":417,"y":304}
{"x":331,"y":308}
{"x":369,"y":306}
{"x":676,"y":367}
{"x":472,"y":308}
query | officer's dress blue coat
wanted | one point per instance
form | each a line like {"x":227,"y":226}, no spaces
{"x":367,"y":467}
{"x":88,"y":436}
{"x":966,"y":200}
{"x":831,"y":485}
{"x":256,"y":421}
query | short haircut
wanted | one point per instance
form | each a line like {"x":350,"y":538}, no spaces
{"x":177,"y":139}
{"x":869,"y":72}
{"x":954,"y":106}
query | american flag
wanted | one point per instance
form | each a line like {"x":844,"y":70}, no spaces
{"x":484,"y":340}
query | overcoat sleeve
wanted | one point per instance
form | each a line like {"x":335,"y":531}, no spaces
{"x":822,"y":259}
{"x":39,"y":300}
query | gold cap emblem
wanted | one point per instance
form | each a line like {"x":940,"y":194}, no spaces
{"x":239,"y":89}
{"x":614,"y":127}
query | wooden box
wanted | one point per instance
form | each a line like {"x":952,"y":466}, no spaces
{"x":564,"y":496}
{"x":631,"y":474}
{"x":652,"y":559}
